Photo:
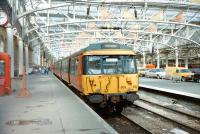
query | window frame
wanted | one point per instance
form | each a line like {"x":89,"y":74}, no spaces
{"x":85,"y":65}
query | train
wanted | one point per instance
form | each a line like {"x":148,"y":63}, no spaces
{"x":105,"y":73}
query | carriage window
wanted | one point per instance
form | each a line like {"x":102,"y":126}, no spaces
{"x":2,"y":66}
{"x":185,"y":71}
{"x":72,"y":66}
{"x":64,"y":66}
{"x":76,"y":67}
{"x":67,"y":65}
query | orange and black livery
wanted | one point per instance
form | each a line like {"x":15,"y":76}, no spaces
{"x":106,"y":73}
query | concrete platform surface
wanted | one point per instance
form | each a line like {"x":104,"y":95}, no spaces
{"x":190,"y":89}
{"x":52,"y":109}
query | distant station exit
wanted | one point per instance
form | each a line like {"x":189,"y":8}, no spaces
{"x":5,"y":82}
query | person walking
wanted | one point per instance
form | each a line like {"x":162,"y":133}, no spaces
{"x":46,"y":70}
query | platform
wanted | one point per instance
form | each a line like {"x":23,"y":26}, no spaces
{"x":190,"y":89}
{"x":52,"y":109}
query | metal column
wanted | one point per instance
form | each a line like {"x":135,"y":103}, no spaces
{"x":186,"y":58}
{"x":158,"y":59}
{"x":1,"y":45}
{"x":144,"y":59}
{"x":21,"y":60}
{"x":176,"y":52}
{"x":42,"y":59}
{"x":166,"y":60}
{"x":26,"y":58}
{"x":152,"y":48}
{"x":10,"y":48}
{"x":39,"y":55}
{"x":36,"y":55}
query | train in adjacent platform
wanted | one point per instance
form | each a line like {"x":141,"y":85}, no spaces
{"x":105,"y":73}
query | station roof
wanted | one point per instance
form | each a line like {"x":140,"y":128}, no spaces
{"x":64,"y":26}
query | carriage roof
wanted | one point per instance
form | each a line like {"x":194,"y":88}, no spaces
{"x":104,"y":45}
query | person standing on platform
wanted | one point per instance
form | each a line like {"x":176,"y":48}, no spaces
{"x":46,"y":71}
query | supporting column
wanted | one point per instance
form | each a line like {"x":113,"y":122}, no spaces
{"x":144,"y":60}
{"x":152,"y":48}
{"x":26,"y":58}
{"x":52,"y":60}
{"x":21,"y":61}
{"x":166,"y":60}
{"x":48,"y":61}
{"x":186,"y":58}
{"x":42,"y":59}
{"x":176,"y":52}
{"x":158,"y":59}
{"x":74,"y":11}
{"x":39,"y":55}
{"x":1,"y":45}
{"x":10,"y":48}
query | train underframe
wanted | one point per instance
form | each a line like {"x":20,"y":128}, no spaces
{"x":113,"y":103}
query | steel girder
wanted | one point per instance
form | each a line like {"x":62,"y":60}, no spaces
{"x":76,"y":20}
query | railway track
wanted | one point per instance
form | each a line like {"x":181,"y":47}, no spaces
{"x":123,"y":125}
{"x":157,"y":114}
{"x":153,"y":113}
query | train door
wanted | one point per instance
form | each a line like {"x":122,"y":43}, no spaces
{"x":64,"y":70}
{"x":60,"y":69}
{"x":67,"y":70}
{"x":5,"y":84}
{"x":74,"y":72}
{"x":80,"y":71}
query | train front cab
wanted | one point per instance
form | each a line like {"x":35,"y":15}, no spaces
{"x":5,"y":80}
{"x":110,"y":78}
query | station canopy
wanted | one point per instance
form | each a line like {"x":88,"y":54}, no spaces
{"x":61,"y":27}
